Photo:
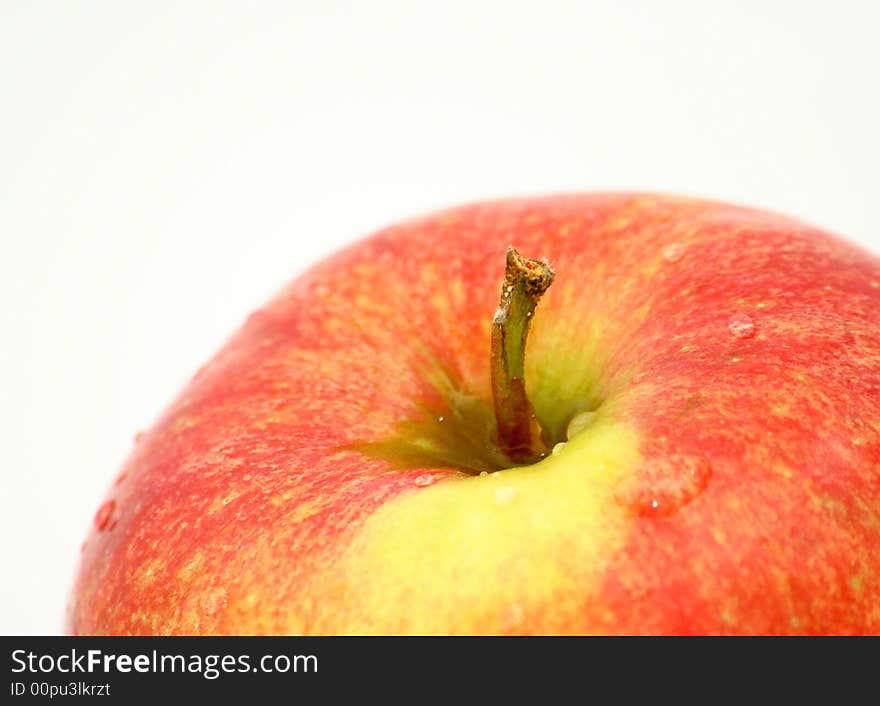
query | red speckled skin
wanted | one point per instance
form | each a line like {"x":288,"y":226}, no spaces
{"x":235,"y":512}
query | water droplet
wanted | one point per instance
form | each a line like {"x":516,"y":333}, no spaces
{"x":741,"y":325}
{"x":673,"y":252}
{"x":441,"y":419}
{"x":578,"y":423}
{"x":557,"y":449}
{"x":214,"y":600}
{"x":662,"y":486}
{"x":103,"y":515}
{"x":484,"y":473}
{"x":505,"y":495}
{"x":424,"y":480}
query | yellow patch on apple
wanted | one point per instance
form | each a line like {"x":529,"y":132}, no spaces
{"x":482,"y":554}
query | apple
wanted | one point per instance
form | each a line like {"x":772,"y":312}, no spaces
{"x":681,"y":437}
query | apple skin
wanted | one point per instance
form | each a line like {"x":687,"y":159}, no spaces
{"x":730,"y":483}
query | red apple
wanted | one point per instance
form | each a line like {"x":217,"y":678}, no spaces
{"x":707,"y":377}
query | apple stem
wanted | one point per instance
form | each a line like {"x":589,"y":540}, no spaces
{"x":519,"y":432}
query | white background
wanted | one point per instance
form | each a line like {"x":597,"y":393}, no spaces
{"x":166,"y":166}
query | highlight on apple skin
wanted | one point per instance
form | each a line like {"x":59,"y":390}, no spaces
{"x":700,"y":453}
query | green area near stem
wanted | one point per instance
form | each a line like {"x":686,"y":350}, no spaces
{"x":453,"y":428}
{"x":460,"y":436}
